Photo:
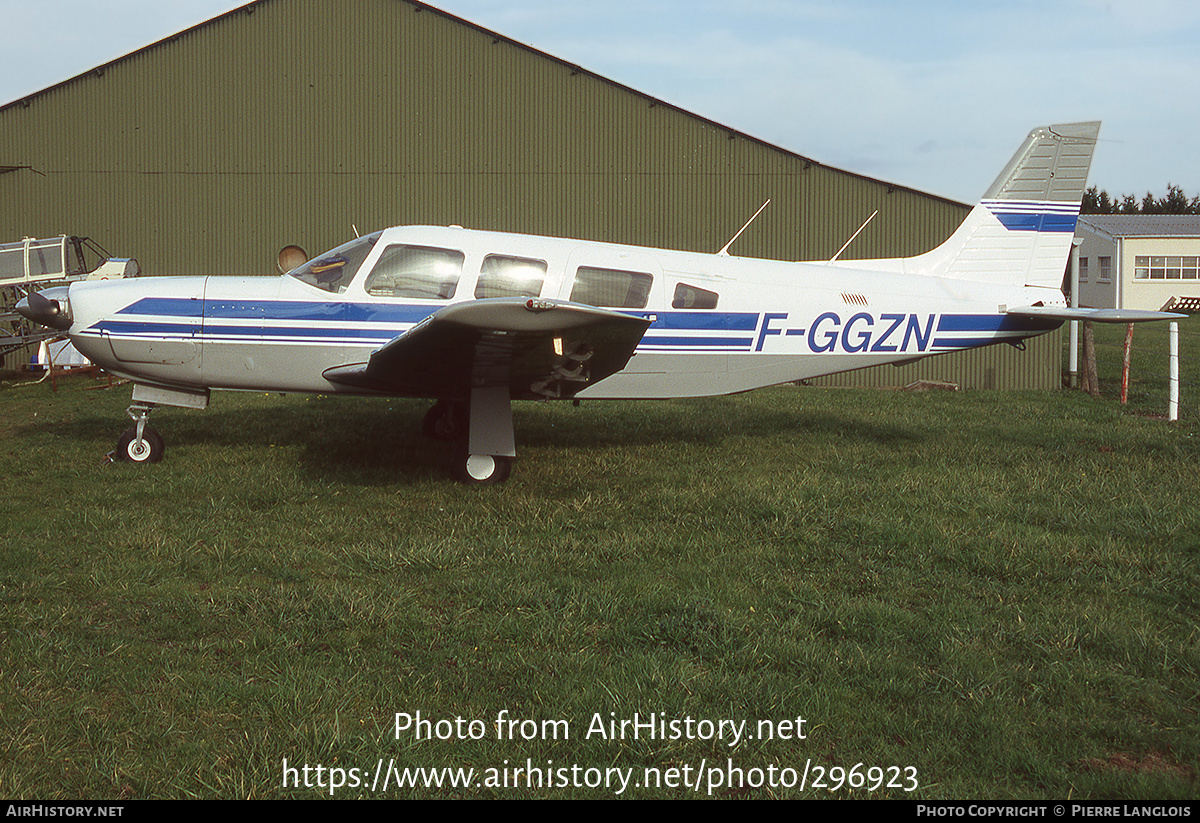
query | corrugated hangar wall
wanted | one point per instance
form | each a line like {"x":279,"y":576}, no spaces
{"x":293,"y":121}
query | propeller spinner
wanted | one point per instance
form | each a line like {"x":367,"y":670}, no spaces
{"x":49,"y":307}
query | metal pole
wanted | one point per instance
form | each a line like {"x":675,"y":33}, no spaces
{"x":1125,"y":364}
{"x":1173,"y":403}
{"x":1073,"y":367}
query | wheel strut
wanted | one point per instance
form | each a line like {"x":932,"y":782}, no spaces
{"x":485,"y":458}
{"x":140,"y":414}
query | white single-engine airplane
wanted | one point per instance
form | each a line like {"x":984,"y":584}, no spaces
{"x":475,"y":320}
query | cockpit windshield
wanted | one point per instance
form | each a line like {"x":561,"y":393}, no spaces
{"x":333,"y":270}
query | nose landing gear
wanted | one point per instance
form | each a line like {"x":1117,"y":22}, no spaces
{"x":140,"y":443}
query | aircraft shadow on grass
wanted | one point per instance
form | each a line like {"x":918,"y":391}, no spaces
{"x":371,"y":443}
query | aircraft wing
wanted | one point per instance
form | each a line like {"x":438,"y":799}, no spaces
{"x":1097,"y":315}
{"x":538,"y":348}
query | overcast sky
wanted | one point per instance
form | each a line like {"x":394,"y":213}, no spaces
{"x":932,"y":94}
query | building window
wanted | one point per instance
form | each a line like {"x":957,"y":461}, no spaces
{"x":1105,"y":269}
{"x":1083,"y":269}
{"x":1166,"y":268}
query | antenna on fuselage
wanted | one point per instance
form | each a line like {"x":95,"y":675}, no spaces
{"x":725,"y":251}
{"x":356,"y":234}
{"x":851,"y":240}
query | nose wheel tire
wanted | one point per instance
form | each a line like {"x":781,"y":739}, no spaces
{"x":149,"y":450}
{"x":482,"y":469}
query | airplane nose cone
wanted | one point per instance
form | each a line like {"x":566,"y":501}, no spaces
{"x":48,"y":308}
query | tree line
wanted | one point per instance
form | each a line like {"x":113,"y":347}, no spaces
{"x":1175,"y":202}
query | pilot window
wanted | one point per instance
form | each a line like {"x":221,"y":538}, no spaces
{"x":693,"y":297}
{"x":510,"y":277}
{"x":334,"y":270}
{"x":417,"y":272}
{"x":611,"y":288}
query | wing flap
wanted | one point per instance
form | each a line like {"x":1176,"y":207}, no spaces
{"x":538,"y":348}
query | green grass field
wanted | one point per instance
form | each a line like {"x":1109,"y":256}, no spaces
{"x":962,"y":595}
{"x":1149,"y":366}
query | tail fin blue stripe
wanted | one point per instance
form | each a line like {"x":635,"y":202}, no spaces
{"x":1027,"y":215}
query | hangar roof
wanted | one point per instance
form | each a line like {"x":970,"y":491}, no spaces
{"x":575,"y":70}
{"x":1144,"y":225}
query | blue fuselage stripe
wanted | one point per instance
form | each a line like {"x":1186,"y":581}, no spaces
{"x":711,"y":321}
{"x":726,"y":342}
{"x":248,"y":322}
{"x":295,"y":310}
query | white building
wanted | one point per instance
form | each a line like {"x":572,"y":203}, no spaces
{"x":1137,"y":261}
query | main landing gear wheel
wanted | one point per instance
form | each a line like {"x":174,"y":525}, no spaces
{"x":149,"y":449}
{"x":445,"y":421}
{"x":484,"y":430}
{"x":482,"y":469}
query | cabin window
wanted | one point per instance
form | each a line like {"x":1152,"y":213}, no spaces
{"x":334,"y":270}
{"x":510,"y":277}
{"x":611,"y":288}
{"x":417,"y":272}
{"x":693,"y":297}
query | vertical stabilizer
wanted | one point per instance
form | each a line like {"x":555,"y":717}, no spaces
{"x":1051,"y":166}
{"x":1020,"y":233}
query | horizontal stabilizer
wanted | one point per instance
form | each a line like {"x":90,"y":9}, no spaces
{"x":1096,"y":315}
